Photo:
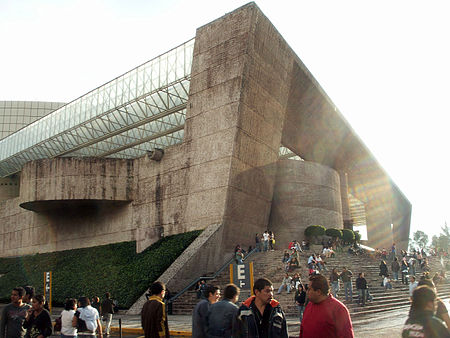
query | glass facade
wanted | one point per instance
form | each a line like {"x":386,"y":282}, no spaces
{"x":138,"y":111}
{"x":15,"y":115}
{"x":286,"y":153}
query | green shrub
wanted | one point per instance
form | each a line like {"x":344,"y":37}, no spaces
{"x":348,"y":235}
{"x":314,"y":231}
{"x":333,"y":232}
{"x":116,"y":268}
{"x":357,"y":236}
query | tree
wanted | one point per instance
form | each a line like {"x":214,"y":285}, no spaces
{"x":348,"y":235}
{"x":314,"y":231}
{"x":333,"y":232}
{"x":420,"y":239}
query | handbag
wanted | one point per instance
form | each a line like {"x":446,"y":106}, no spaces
{"x":58,"y":324}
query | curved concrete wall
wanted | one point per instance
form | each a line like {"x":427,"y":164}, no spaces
{"x":45,"y":183}
{"x":305,"y":194}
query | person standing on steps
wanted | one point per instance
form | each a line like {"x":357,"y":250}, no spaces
{"x":334,"y":281}
{"x":212,"y":294}
{"x":404,"y":269}
{"x":346,"y":277}
{"x":260,"y":315}
{"x":361,"y":286}
{"x":395,"y":267}
{"x":412,"y":285}
{"x":257,"y":243}
{"x":266,"y":240}
{"x":324,"y":316}
{"x":271,"y":240}
{"x":300,"y":300}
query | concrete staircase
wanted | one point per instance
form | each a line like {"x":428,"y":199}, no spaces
{"x":269,"y":265}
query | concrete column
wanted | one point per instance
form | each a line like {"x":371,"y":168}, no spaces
{"x":346,"y":216}
{"x":401,"y":221}
{"x":305,"y":194}
{"x":379,"y":231}
{"x":237,"y":100}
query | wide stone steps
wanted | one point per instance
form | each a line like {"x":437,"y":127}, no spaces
{"x":269,"y":265}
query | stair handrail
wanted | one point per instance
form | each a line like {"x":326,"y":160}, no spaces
{"x":223,"y":267}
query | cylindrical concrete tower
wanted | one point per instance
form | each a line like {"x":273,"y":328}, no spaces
{"x":305,"y":194}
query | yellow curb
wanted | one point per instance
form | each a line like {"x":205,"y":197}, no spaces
{"x":135,"y":330}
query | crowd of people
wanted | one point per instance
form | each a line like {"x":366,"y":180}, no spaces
{"x":28,"y":316}
{"x":265,"y":242}
{"x":321,"y":313}
{"x":260,"y":315}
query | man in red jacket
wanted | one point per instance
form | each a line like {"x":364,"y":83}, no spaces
{"x":324,"y":315}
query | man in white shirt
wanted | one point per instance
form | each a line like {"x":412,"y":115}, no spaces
{"x":412,"y":285}
{"x":266,"y":240}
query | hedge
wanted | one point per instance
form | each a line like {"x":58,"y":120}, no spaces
{"x":333,"y":232}
{"x":348,"y":235}
{"x":315,"y":230}
{"x":116,"y":268}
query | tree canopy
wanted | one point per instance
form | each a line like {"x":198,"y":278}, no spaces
{"x":333,"y":232}
{"x":420,"y":239}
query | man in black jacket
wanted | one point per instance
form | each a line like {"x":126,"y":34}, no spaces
{"x":107,"y":311}
{"x":421,"y":321}
{"x":361,"y":286}
{"x":261,"y":316}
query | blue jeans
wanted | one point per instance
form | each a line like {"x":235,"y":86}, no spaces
{"x":362,"y":296}
{"x":266,"y":245}
{"x":395,"y":273}
{"x":348,"y":289}
{"x":335,"y":288}
{"x":288,"y":288}
{"x":301,"y":308}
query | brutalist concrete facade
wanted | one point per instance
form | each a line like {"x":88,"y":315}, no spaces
{"x":249,"y":94}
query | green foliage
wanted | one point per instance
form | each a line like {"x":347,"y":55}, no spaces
{"x":357,"y":236}
{"x":315,"y":230}
{"x":116,"y":268}
{"x":420,"y":239}
{"x":348,"y":235}
{"x":333,"y":232}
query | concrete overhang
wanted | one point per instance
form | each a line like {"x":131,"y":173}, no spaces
{"x":72,"y":206}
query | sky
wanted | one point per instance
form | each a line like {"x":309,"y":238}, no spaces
{"x":384,"y":64}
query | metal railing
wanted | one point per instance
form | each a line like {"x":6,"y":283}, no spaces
{"x":195,"y":281}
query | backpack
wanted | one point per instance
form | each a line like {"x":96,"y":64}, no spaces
{"x":81,"y":324}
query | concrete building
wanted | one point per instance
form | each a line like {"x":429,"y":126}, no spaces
{"x":228,"y":132}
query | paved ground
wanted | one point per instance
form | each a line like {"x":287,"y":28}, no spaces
{"x":387,"y":324}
